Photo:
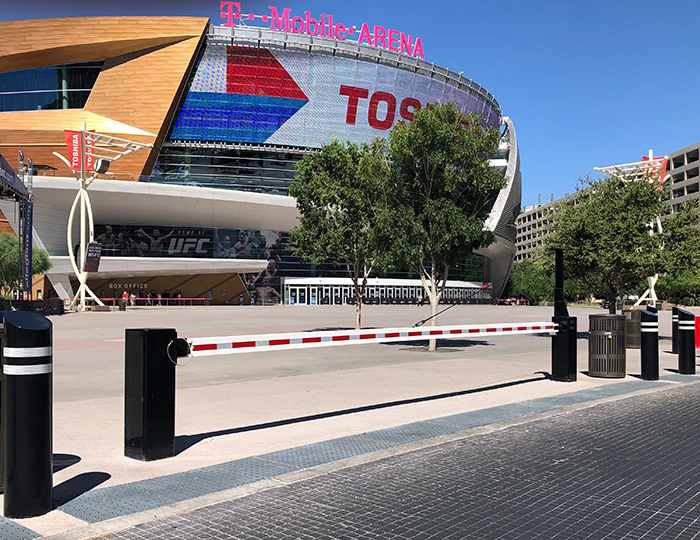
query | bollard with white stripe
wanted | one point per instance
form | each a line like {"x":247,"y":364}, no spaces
{"x":674,"y":330}
{"x":650,"y":346}
{"x":686,"y":342}
{"x":27,"y":414}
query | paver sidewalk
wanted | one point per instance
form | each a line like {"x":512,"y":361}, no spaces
{"x":259,"y":417}
{"x":625,"y":469}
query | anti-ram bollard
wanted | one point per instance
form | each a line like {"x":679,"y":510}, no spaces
{"x":674,"y":330}
{"x":149,"y":393}
{"x":686,"y":342}
{"x":27,"y":414}
{"x":564,"y":359}
{"x":650,"y":346}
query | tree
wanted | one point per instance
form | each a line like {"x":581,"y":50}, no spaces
{"x":677,"y":288}
{"x":443,"y":188}
{"x":610,"y":238}
{"x":681,"y":240}
{"x":341,"y":194}
{"x":531,"y":281}
{"x":9,"y":261}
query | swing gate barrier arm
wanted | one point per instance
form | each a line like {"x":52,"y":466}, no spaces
{"x":152,"y":356}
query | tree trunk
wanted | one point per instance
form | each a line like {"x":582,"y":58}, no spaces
{"x":612,"y":305}
{"x":358,"y":313}
{"x":432,"y":344}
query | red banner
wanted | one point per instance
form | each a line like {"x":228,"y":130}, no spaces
{"x":73,"y":144}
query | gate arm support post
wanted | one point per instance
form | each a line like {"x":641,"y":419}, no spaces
{"x":564,"y":353}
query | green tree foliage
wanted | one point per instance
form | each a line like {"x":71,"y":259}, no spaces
{"x":443,"y":186}
{"x":530,"y":281}
{"x":681,"y":247}
{"x":9,"y":261}
{"x":341,"y":193}
{"x":679,"y":287}
{"x":606,"y":232}
{"x":533,"y":279}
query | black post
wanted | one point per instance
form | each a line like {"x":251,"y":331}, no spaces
{"x":27,"y":414}
{"x":674,"y":330}
{"x":559,"y":301}
{"x":686,"y":342}
{"x":149,"y":394}
{"x":564,"y":359}
{"x":650,"y":346}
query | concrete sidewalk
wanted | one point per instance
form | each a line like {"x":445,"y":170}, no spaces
{"x":245,"y":419}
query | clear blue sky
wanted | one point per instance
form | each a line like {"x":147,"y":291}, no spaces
{"x":587,"y":84}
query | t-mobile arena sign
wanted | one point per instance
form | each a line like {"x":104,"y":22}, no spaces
{"x":325,"y":26}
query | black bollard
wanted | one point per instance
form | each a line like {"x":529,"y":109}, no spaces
{"x":650,"y":346}
{"x":674,"y":330}
{"x":149,"y":393}
{"x":686,"y":342}
{"x":564,"y":358}
{"x":27,"y":414}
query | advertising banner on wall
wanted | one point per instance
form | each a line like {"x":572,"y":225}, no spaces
{"x":258,"y":95}
{"x":202,"y":243}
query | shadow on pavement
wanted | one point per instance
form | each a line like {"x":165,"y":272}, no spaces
{"x":76,"y":486}
{"x":443,"y":345}
{"x":63,"y":461}
{"x":336,"y":329}
{"x":183,"y":442}
{"x":579,"y":335}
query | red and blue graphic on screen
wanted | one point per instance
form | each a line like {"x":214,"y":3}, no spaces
{"x":238,"y":94}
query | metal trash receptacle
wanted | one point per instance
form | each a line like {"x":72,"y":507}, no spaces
{"x":633,"y":328}
{"x":606,"y":346}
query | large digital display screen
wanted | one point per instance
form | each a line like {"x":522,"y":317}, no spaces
{"x":258,"y":95}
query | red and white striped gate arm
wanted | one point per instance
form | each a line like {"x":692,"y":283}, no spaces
{"x":206,"y":346}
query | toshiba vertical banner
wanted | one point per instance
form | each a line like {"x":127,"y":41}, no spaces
{"x":73,"y":144}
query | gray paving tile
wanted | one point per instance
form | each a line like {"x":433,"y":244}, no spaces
{"x":320,"y":453}
{"x":116,"y":501}
{"x":10,"y":530}
{"x":619,"y":470}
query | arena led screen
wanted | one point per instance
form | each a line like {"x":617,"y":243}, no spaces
{"x":259,"y":95}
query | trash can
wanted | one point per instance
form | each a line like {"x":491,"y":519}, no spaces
{"x":606,"y":346}
{"x":122,"y":305}
{"x":633,"y":328}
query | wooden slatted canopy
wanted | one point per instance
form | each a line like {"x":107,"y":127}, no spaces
{"x":147,"y":61}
